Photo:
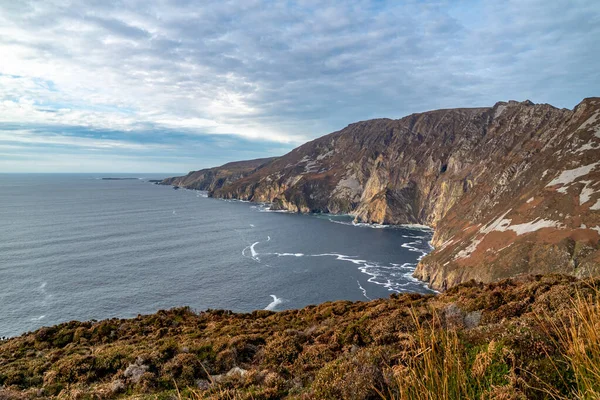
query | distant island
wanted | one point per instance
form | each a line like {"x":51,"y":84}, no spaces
{"x":119,"y":179}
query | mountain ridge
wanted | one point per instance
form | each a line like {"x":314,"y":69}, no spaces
{"x":509,"y":189}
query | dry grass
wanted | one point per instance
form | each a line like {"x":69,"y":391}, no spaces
{"x":577,"y":335}
{"x":432,"y":367}
{"x":438,"y":366}
{"x":538,"y":338}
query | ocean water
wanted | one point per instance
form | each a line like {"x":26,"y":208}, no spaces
{"x":76,"y":247}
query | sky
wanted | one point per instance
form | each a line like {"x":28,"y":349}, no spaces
{"x":178,"y":85}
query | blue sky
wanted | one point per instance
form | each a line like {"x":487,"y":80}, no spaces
{"x":172,"y":86}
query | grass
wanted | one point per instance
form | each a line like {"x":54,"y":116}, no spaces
{"x":577,"y":336}
{"x":537,"y":338}
{"x":439,"y":366}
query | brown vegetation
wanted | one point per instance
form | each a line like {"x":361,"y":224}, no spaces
{"x":530,"y":337}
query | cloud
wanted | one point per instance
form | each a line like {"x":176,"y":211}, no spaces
{"x":276,"y":74}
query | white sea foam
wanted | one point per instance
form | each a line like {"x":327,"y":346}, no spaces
{"x":41,"y":317}
{"x":276,"y":211}
{"x":253,"y":252}
{"x":360,"y":224}
{"x":276,"y":301}
{"x":404,"y":266}
{"x":394,"y":277}
{"x":414,"y":237}
{"x":362,"y":289}
{"x":46,"y":296}
{"x":410,"y":246}
{"x":268,"y":238}
{"x":417,"y":227}
{"x":251,"y":225}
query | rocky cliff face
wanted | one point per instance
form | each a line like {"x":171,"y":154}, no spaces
{"x":514,"y":188}
{"x":214,"y":178}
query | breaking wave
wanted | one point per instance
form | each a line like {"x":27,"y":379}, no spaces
{"x":394,"y":277}
{"x":362,"y":289}
{"x":272,"y":305}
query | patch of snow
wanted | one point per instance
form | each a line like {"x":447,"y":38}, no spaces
{"x":502,"y":224}
{"x":497,"y":225}
{"x":596,"y":206}
{"x":529,"y":201}
{"x":544,"y":173}
{"x":533,"y":226}
{"x":569,"y":175}
{"x":588,"y":146}
{"x":484,"y":231}
{"x":586,"y":193}
{"x":464,"y":253}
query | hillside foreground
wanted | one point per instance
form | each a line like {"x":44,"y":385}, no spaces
{"x":532,"y":337}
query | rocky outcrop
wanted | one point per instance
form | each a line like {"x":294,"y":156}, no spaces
{"x":214,"y":178}
{"x":509,"y":189}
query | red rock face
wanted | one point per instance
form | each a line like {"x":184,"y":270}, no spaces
{"x":510,"y":189}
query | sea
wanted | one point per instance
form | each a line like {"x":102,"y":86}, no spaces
{"x":80,"y":247}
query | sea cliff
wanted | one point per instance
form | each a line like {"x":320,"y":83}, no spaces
{"x":509,"y":189}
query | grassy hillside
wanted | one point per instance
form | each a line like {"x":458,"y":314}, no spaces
{"x":530,"y":337}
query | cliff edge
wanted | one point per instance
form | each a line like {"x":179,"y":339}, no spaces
{"x":509,"y":189}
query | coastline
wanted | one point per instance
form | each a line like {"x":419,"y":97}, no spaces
{"x":266,"y":207}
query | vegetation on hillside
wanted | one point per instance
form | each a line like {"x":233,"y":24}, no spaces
{"x":529,"y":337}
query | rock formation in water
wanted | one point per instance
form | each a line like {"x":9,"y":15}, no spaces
{"x":509,"y":189}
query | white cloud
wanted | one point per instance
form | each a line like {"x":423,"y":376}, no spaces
{"x":283,"y":71}
{"x":34,"y":138}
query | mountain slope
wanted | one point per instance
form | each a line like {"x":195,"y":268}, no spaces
{"x":215,"y":178}
{"x":509,"y":189}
